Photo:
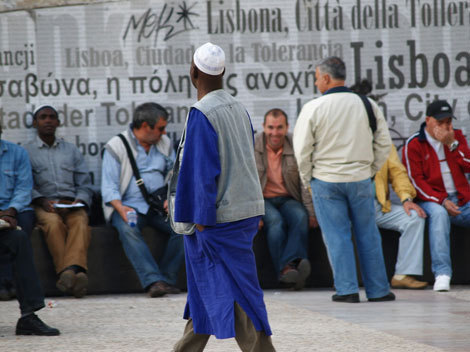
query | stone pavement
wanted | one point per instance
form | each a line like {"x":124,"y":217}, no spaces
{"x":301,"y":321}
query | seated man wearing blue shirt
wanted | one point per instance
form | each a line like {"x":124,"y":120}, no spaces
{"x":61,"y":179}
{"x":16,"y":183}
{"x":14,"y":203}
{"x":154,"y":157}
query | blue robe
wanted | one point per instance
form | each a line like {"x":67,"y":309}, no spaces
{"x":220,"y":264}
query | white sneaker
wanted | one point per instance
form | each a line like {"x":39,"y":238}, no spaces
{"x":442,"y":283}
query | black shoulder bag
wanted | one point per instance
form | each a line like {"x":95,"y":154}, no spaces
{"x":155,"y":199}
{"x":365,"y":101}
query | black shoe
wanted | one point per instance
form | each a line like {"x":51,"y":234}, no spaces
{"x":12,"y":292}
{"x":7,"y":291}
{"x":352,"y":298}
{"x":389,"y":297}
{"x":32,"y":325}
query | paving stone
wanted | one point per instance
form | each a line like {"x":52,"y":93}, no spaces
{"x":301,"y":321}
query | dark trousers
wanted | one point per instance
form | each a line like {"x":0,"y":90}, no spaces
{"x":26,"y":221}
{"x":17,"y":246}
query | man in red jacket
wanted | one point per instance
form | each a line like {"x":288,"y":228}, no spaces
{"x":437,"y":158}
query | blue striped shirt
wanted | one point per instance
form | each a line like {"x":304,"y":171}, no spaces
{"x":153,"y":167}
{"x":59,"y":171}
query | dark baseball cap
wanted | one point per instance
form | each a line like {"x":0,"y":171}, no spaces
{"x":439,"y":109}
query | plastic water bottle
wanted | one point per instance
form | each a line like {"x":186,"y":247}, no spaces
{"x":132,"y":218}
{"x":52,"y":304}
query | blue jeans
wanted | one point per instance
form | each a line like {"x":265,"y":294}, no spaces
{"x":286,"y":225}
{"x":439,"y":233}
{"x":462,"y":219}
{"x":337,"y":207}
{"x":410,"y":246}
{"x":139,"y":253}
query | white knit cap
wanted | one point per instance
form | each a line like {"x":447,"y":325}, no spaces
{"x":43,"y":106}
{"x":210,"y":59}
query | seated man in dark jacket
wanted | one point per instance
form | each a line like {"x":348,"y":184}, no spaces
{"x":288,"y":205}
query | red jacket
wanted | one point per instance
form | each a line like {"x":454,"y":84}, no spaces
{"x":424,"y":168}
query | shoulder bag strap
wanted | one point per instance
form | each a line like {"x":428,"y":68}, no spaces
{"x":370,"y":113}
{"x":138,"y":180}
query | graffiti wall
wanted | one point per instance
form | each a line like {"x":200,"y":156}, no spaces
{"x":96,"y":62}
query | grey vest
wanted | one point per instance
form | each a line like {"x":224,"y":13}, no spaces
{"x":239,"y":194}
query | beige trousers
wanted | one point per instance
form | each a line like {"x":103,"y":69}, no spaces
{"x":248,"y":339}
{"x":67,"y":235}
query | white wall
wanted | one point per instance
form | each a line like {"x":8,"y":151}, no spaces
{"x":94,"y":61}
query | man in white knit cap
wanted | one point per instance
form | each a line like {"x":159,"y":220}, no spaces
{"x":218,"y":190}
{"x":61,"y":178}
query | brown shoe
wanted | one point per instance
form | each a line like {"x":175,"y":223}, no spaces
{"x":304,"y":268}
{"x":66,"y":281}
{"x":157,"y":289}
{"x":81,"y":284}
{"x":408,"y":282}
{"x":289,"y":275}
{"x":173,"y":290}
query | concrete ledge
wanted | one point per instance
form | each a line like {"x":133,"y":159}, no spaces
{"x":321,"y":275}
{"x":109,"y":270}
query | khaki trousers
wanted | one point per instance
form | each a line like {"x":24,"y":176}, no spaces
{"x":248,"y":339}
{"x":67,"y":235}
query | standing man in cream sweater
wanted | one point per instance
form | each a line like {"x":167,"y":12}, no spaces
{"x":338,"y":152}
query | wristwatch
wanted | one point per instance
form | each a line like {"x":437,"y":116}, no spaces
{"x":454,"y":145}
{"x":407,"y":200}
